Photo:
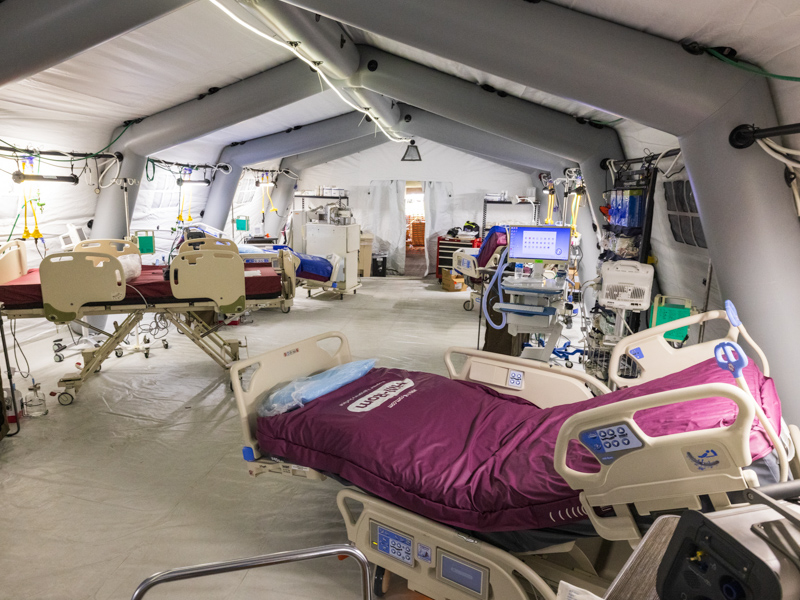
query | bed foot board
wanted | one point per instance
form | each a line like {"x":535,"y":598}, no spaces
{"x":428,"y":549}
{"x":221,"y":351}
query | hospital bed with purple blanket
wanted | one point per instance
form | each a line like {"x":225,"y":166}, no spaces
{"x":460,"y":470}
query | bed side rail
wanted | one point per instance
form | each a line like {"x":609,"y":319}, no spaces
{"x":216,"y":275}
{"x":100,"y":277}
{"x":288,"y":272}
{"x":656,"y":358}
{"x":107,"y":246}
{"x":656,"y":473}
{"x":654,"y":355}
{"x":209,"y":243}
{"x":13,"y":261}
{"x":465,"y":261}
{"x":540,"y":383}
{"x":274,"y":368}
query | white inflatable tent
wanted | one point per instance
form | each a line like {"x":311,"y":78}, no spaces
{"x":202,"y":83}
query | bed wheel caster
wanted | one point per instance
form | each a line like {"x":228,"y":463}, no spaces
{"x":97,"y":370}
{"x":309,"y":293}
{"x":469,"y":305}
{"x":58,"y":347}
{"x":65,"y":398}
{"x":380,"y":582}
{"x":147,"y":353}
{"x":165,"y":343}
{"x":285,"y":309}
{"x":58,"y":357}
{"x":118,"y":352}
{"x":341,"y":296}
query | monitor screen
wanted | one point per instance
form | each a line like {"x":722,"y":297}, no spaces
{"x":538,"y":243}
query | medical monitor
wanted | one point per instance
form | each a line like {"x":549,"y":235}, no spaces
{"x":546,"y":243}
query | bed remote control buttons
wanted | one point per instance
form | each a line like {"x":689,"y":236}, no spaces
{"x":515,"y":379}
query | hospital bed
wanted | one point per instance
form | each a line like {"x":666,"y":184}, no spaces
{"x":206,"y":275}
{"x":451,"y":562}
{"x":312,"y":272}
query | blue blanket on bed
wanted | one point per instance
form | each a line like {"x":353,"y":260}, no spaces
{"x":317,"y":268}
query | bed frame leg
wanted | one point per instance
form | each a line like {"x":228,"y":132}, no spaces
{"x":221,"y":351}
{"x":93,"y":360}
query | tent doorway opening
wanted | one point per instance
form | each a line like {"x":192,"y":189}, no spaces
{"x":415,"y":230}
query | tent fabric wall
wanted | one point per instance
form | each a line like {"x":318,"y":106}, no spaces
{"x":441,"y":211}
{"x":387,"y":204}
{"x":471,"y":177}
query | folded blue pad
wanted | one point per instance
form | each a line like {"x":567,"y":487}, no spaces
{"x":304,"y":390}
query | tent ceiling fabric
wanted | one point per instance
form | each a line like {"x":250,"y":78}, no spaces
{"x":76,"y":104}
{"x":207,"y":148}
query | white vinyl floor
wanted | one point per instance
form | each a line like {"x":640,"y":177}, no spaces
{"x":143,"y":472}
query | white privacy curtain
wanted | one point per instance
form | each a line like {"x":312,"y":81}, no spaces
{"x":388,"y":200}
{"x":442,"y":212}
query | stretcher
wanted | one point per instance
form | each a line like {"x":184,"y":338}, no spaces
{"x":206,"y":275}
{"x":434,"y":554}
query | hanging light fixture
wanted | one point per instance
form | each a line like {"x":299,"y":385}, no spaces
{"x":412,"y":152}
{"x":20,"y":177}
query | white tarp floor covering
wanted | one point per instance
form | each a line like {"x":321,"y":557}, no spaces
{"x":143,"y":472}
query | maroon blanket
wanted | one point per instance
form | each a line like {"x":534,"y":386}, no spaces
{"x":26,"y":291}
{"x":468,"y":456}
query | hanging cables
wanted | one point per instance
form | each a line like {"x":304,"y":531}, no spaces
{"x":779,"y":152}
{"x":311,"y":64}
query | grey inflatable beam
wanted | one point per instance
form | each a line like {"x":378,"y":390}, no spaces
{"x":418,"y":122}
{"x":323,"y":41}
{"x":283,"y":193}
{"x":35,"y":36}
{"x":251,"y":97}
{"x":271,"y":147}
{"x":500,"y":150}
{"x":320,"y":39}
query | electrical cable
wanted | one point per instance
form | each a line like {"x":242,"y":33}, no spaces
{"x":73,"y":159}
{"x":497,"y":277}
{"x":747,"y":67}
{"x":15,"y":345}
{"x":775,"y":154}
{"x":310,"y":63}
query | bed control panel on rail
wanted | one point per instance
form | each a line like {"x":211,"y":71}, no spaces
{"x":464,"y":574}
{"x":497,"y":375}
{"x":392,"y":543}
{"x":610,"y":442}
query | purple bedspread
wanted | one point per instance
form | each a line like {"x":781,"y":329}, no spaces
{"x":471,"y":457}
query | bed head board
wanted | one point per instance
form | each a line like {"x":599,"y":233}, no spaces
{"x":656,"y":358}
{"x":690,"y":465}
{"x":214,"y":274}
{"x":209,"y":243}
{"x":253,"y":377}
{"x":101,"y":278}
{"x":539,"y":383}
{"x":111,"y":247}
{"x":13,"y":261}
